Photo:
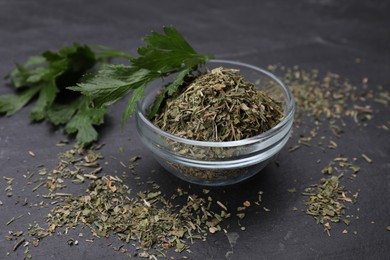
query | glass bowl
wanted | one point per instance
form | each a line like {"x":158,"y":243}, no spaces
{"x":219,"y":163}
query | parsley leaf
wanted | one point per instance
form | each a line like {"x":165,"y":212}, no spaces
{"x":137,"y":95}
{"x":164,"y":55}
{"x":167,"y":53}
{"x":113,"y":82}
{"x":69,"y":94}
{"x":46,"y":77}
{"x":45,"y":100}
{"x":83,"y":122}
{"x":60,"y":114}
{"x":10,"y":104}
{"x":169,"y":90}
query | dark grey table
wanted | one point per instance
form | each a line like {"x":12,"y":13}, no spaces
{"x":314,"y":34}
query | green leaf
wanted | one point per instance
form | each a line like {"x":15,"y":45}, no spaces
{"x":137,"y":95}
{"x":39,"y":75}
{"x":167,"y":53}
{"x":21,"y":73}
{"x":156,"y":105}
{"x":45,"y":100}
{"x":105,"y":53}
{"x":174,"y":86}
{"x":114,"y":82}
{"x":59,"y":114}
{"x":80,"y":58}
{"x":82,"y":123}
{"x":47,"y":76}
{"x":169,"y":90}
{"x":79,"y":118}
{"x":10,"y":104}
{"x":34,"y":61}
{"x":164,"y":54}
{"x":52,"y":74}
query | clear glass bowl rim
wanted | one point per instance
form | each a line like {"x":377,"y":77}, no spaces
{"x":255,"y":139}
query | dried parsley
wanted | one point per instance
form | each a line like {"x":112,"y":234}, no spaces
{"x":366,"y":158}
{"x":326,"y":201}
{"x":325,"y":103}
{"x":149,"y":219}
{"x":324,"y":100}
{"x":147,"y":222}
{"x":9,"y":188}
{"x":219,"y":105}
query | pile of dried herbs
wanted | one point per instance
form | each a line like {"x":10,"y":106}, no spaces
{"x":149,"y":223}
{"x":219,"y":105}
{"x":328,"y":101}
{"x":325,"y":104}
{"x":148,"y":219}
{"x":326,"y":201}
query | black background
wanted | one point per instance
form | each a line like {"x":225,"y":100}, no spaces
{"x":327,"y":35}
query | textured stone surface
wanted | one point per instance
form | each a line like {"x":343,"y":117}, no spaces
{"x":324,"y":34}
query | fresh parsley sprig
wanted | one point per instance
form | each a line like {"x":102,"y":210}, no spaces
{"x":164,"y":55}
{"x":47,"y":77}
{"x":51,"y":75}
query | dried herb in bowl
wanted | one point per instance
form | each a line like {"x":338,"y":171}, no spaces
{"x":219,"y":105}
{"x":221,"y":127}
